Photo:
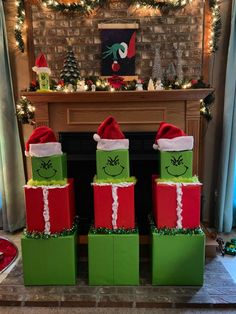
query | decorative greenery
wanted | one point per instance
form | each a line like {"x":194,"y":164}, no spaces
{"x":173,"y":231}
{"x":206,"y":104}
{"x":20,"y":18}
{"x":25,"y":111}
{"x":163,"y":6}
{"x":46,"y":183}
{"x":123,"y":180}
{"x":42,"y":235}
{"x":86,"y":6}
{"x":113,"y":231}
{"x":193,"y":179}
{"x":83,"y":6}
{"x":216,"y":25}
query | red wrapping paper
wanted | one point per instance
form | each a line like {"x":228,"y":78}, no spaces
{"x":103,"y":206}
{"x":61,"y":208}
{"x":165,"y":205}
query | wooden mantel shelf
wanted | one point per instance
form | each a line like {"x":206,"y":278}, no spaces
{"x":136,"y":111}
{"x":164,"y":95}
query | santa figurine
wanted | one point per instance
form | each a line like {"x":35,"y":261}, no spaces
{"x":43,"y":71}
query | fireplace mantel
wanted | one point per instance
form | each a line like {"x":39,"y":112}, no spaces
{"x":140,"y":111}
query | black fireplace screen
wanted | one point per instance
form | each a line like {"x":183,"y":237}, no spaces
{"x":81,"y":154}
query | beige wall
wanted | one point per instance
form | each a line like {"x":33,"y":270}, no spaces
{"x":212,"y":133}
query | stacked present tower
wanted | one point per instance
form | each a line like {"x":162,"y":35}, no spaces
{"x":113,"y":241}
{"x":177,"y":239}
{"x":49,"y":242}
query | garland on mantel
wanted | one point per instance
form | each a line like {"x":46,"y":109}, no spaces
{"x":86,"y":6}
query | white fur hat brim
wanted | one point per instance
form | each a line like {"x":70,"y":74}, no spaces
{"x":41,"y":70}
{"x":44,"y":149}
{"x":175,"y":144}
{"x":108,"y":145}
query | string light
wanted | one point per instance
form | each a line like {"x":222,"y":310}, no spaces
{"x":89,"y":5}
{"x":20,"y":18}
{"x":215,"y":26}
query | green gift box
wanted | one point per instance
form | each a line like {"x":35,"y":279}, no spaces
{"x":49,"y":261}
{"x":113,"y":259}
{"x":50,"y":168}
{"x":176,"y":164}
{"x":112,"y":164}
{"x":178,"y":259}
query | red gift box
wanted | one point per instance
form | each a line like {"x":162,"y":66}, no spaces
{"x":176,"y":205}
{"x":50,"y":209}
{"x":114,"y":205}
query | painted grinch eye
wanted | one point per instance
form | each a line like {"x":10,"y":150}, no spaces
{"x":116,"y":161}
{"x":173,"y":161}
{"x":180,"y":160}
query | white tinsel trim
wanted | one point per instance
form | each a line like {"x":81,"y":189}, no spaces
{"x":108,"y":145}
{"x":45,"y":149}
{"x":46,"y":186}
{"x":119,"y":185}
{"x":115,"y":206}
{"x":179,"y":209}
{"x":175,"y":183}
{"x":46,"y":215}
{"x":175,"y":144}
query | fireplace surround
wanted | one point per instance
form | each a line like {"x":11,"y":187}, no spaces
{"x":75,"y":117}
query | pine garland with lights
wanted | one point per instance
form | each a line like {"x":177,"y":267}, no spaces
{"x":25,"y":111}
{"x":84,"y":6}
{"x":20,"y":18}
{"x":216,"y":25}
{"x":163,"y":6}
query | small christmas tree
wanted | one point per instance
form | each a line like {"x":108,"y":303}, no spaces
{"x":70,"y":72}
{"x":157,"y":69}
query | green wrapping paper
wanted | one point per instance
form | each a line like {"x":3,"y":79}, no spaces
{"x":178,"y":259}
{"x":50,"y":261}
{"x":113,"y":259}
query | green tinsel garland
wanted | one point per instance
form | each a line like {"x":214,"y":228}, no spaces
{"x":94,"y":230}
{"x":193,"y":179}
{"x":45,"y":183}
{"x":41,"y":235}
{"x":173,"y":231}
{"x":84,"y":6}
{"x":129,"y":180}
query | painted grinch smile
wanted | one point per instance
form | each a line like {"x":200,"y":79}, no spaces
{"x":113,"y":175}
{"x":47,"y":177}
{"x":176,"y":175}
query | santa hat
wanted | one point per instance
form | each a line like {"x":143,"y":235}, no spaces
{"x":109,"y":136}
{"x":171,"y":138}
{"x":42,"y":143}
{"x":41,"y":65}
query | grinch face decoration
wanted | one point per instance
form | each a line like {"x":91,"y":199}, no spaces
{"x":176,"y":164}
{"x":49,"y":168}
{"x":46,"y":170}
{"x":113,"y":167}
{"x":112,"y":164}
{"x":44,"y":81}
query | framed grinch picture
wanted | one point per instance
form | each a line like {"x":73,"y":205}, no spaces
{"x":118,"y":49}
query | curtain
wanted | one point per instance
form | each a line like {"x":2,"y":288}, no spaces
{"x":228,"y":149}
{"x":11,"y":160}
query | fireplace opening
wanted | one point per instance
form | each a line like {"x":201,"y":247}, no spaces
{"x":81,"y":155}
